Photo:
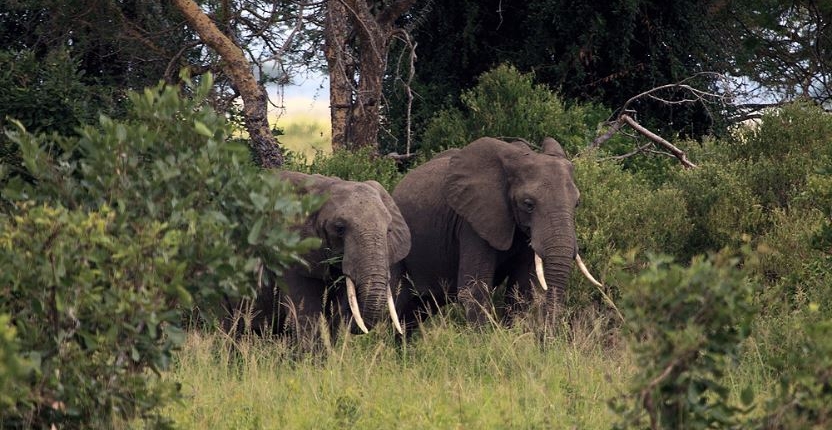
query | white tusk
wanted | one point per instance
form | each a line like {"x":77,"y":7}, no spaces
{"x":391,"y":306}
{"x":353,"y":301}
{"x":585,"y":271}
{"x":538,"y":268}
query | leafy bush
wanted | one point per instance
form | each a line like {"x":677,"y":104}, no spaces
{"x":94,"y":309}
{"x":620,"y":211}
{"x":360,"y":165}
{"x":125,"y":227}
{"x":804,"y":397}
{"x":685,"y":325}
{"x":720,"y":204}
{"x":12,"y":367}
{"x":507,"y":104}
{"x":788,"y":145}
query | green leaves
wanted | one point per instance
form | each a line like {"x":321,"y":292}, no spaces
{"x":125,"y":227}
{"x":686,"y":325}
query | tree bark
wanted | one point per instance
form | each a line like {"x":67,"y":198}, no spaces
{"x":263,"y":145}
{"x":337,"y":31}
{"x":373,"y":33}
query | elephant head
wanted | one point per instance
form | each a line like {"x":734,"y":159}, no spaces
{"x":498,"y":187}
{"x":360,"y":222}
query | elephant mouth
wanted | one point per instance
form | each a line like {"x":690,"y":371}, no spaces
{"x":352,"y":299}
{"x":538,"y":269}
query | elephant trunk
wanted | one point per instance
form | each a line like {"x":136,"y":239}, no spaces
{"x":557,"y":252}
{"x":371,"y":273}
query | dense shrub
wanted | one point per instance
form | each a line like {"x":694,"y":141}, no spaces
{"x":685,"y":325}
{"x":126,"y":226}
{"x":620,"y":211}
{"x":94,"y":310}
{"x":804,"y":393}
{"x":46,"y":95}
{"x":720,"y":205}
{"x":507,"y":104}
{"x":13,"y":368}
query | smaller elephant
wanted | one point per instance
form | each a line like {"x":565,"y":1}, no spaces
{"x":483,"y":214}
{"x":362,"y":234}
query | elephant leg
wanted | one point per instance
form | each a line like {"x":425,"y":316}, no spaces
{"x":475,"y":279}
{"x":519,"y":288}
{"x":303,"y":307}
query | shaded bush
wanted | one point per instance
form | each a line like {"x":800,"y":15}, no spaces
{"x":94,"y":310}
{"x":507,"y":104}
{"x":685,"y":325}
{"x":13,"y":368}
{"x":804,"y":393}
{"x":124,"y":228}
{"x":619,"y":211}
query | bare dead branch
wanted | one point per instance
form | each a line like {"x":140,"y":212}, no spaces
{"x":678,"y":153}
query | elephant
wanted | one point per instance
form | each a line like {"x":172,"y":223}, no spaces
{"x":486,"y":213}
{"x":362,"y":234}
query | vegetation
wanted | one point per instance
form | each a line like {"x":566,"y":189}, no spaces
{"x":123,"y":230}
{"x":127,"y":223}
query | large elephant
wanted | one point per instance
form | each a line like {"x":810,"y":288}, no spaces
{"x":488,"y":212}
{"x":348,"y":277}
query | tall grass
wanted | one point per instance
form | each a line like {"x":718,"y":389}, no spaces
{"x":447,"y":376}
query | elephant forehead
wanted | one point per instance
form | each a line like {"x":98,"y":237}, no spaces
{"x":543,"y":169}
{"x":356,"y":200}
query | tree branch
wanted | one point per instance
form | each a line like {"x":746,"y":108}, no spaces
{"x":678,"y":153}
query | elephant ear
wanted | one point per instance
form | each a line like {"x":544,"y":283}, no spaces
{"x":476,"y":188}
{"x":552,"y":147}
{"x":398,"y":238}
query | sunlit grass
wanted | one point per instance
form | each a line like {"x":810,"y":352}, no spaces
{"x":304,"y":134}
{"x":450,"y":376}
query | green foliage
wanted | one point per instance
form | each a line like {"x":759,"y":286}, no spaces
{"x":620,"y":210}
{"x":44,"y":94}
{"x":94,"y":311}
{"x":169,"y":161}
{"x":685,"y":325}
{"x":507,"y":104}
{"x":804,"y":397}
{"x":360,"y":165}
{"x":12,"y":367}
{"x":591,"y":52}
{"x":127,"y":226}
{"x":720,"y":205}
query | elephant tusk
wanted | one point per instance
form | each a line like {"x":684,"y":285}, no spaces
{"x":353,"y":301}
{"x":584,"y":270}
{"x":391,"y":306}
{"x":538,"y":268}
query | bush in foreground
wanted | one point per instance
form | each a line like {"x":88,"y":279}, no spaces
{"x":124,"y":228}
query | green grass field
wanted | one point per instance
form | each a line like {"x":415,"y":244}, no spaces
{"x":305,"y":134}
{"x":448,"y":377}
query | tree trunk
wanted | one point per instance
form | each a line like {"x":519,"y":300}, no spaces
{"x":263,"y":145}
{"x":355,"y":111}
{"x":337,"y":30}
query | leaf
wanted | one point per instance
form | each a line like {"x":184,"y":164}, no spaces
{"x":254,"y":234}
{"x":175,"y":334}
{"x":747,"y":396}
{"x":202,"y":129}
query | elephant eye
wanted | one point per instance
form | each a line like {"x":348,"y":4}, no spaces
{"x":340,"y":228}
{"x":528,"y":205}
